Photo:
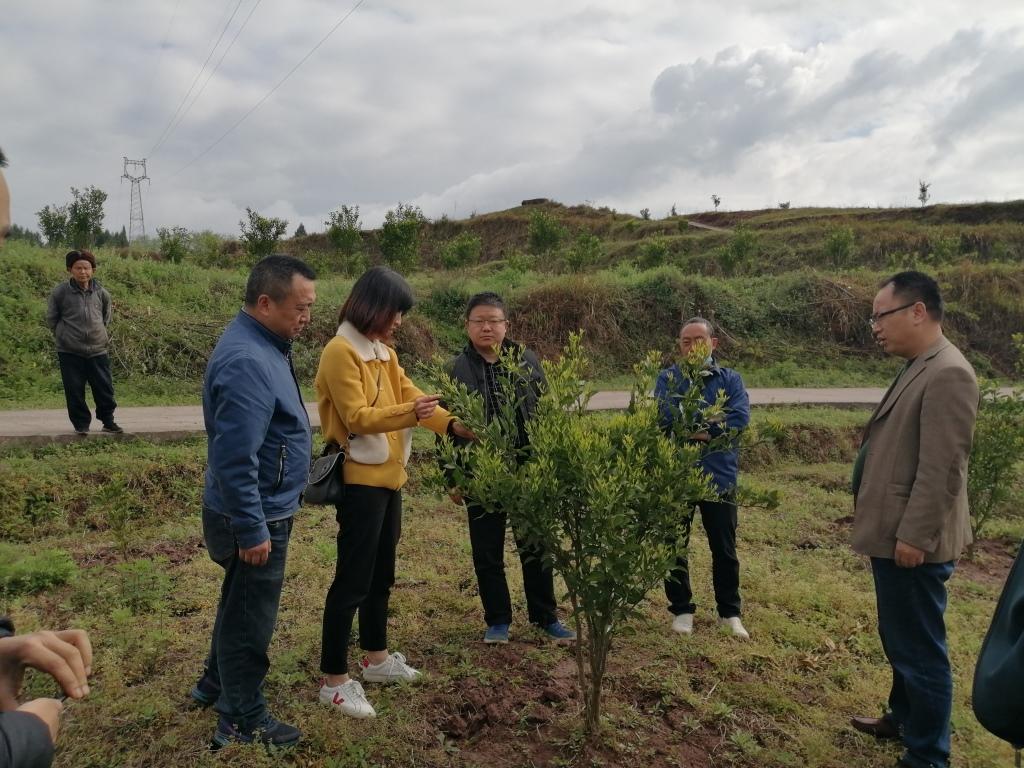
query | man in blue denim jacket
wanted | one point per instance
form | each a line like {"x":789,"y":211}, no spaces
{"x":258,"y":455}
{"x":718,"y":516}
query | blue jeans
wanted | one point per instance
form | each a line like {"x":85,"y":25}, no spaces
{"x":246,"y":615}
{"x":911,"y":604}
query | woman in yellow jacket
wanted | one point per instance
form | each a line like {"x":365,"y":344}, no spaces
{"x":369,"y":405}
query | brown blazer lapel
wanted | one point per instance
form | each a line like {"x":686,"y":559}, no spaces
{"x":916,"y":369}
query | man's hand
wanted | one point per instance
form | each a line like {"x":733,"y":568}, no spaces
{"x":456,"y":496}
{"x":424,"y":406}
{"x":461,"y":431}
{"x":47,"y":710}
{"x":907,"y":555}
{"x":700,"y":437}
{"x":257,"y":555}
{"x":65,"y":655}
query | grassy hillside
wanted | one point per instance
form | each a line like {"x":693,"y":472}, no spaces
{"x":106,"y":536}
{"x":790,"y":288}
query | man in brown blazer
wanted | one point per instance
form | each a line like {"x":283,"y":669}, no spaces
{"x":911,"y":516}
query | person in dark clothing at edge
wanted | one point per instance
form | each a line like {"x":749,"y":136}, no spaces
{"x":258,"y":454}
{"x":78,"y":313}
{"x":719,"y":517}
{"x":28,"y":732}
{"x":478,"y":368}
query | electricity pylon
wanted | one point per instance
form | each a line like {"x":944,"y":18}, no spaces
{"x":136,"y":224}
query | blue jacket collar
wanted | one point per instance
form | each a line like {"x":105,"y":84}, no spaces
{"x":252,"y":323}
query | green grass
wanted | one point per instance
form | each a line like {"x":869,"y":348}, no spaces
{"x":789,"y":330}
{"x":146,"y":591}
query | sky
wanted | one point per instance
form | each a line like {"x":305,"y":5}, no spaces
{"x":463,"y":106}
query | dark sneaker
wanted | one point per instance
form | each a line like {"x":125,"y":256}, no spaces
{"x":81,"y":430}
{"x":112,"y":428}
{"x":269,"y":732}
{"x":205,"y":692}
{"x":496,"y":634}
{"x":560,"y":633}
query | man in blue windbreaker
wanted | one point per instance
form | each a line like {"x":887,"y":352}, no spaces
{"x":697,"y":336}
{"x":258,"y":454}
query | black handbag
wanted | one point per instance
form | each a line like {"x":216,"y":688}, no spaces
{"x":326,"y":484}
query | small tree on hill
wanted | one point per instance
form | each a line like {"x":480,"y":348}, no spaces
{"x":743,"y":247}
{"x":995,"y":466}
{"x":461,"y":250}
{"x":545,"y":233}
{"x":174,"y":243}
{"x":645,"y":214}
{"x":260,"y":234}
{"x":400,"y":236}
{"x":607,"y":499}
{"x":922,"y":192}
{"x":78,"y":223}
{"x":586,"y":250}
{"x":784,"y":206}
{"x":344,"y":230}
{"x":300,"y":231}
{"x":716,"y":200}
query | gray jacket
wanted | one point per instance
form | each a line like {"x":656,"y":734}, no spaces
{"x":79,"y":319}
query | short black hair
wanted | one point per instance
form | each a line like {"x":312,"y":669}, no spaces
{"x":917,"y":286}
{"x":3,"y":159}
{"x":486,"y":299}
{"x":272,"y":276}
{"x":378,"y":295}
{"x":700,"y":321}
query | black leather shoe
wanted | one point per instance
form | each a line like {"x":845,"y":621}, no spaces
{"x":879,"y":727}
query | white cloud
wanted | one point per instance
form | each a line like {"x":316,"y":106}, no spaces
{"x":458,"y":105}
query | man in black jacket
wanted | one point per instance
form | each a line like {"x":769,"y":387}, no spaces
{"x":478,"y":367}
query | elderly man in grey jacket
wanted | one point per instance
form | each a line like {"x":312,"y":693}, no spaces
{"x":78,"y":314}
{"x":911,"y":516}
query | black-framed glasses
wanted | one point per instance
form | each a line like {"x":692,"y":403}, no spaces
{"x":480,"y":323}
{"x":874,"y":319}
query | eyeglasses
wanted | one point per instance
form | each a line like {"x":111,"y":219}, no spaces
{"x":874,"y":319}
{"x":482,"y":322}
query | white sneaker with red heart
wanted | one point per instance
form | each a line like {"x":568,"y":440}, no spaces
{"x":347,"y":697}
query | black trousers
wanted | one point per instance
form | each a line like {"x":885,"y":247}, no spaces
{"x":719,"y":519}
{"x":369,"y":526}
{"x":487,"y":538}
{"x":75,"y":371}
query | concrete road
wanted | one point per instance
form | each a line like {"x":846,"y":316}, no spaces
{"x":174,"y":422}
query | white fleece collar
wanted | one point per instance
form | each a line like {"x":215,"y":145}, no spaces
{"x":366,"y":349}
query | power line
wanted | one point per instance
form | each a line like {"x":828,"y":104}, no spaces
{"x":270,"y":93}
{"x":213,"y":72}
{"x":199,"y":74}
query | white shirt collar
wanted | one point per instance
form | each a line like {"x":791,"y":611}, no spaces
{"x":366,"y":349}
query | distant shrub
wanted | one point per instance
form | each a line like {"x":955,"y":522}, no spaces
{"x":174,"y":243}
{"x":944,"y":249}
{"x":400,"y":236}
{"x":784,"y":206}
{"x":839,"y":245}
{"x":206,"y":249}
{"x":645,"y":214}
{"x":461,"y":250}
{"x":545,"y":233}
{"x":653,"y":253}
{"x":997,"y":452}
{"x":743,"y":247}
{"x":261,"y":233}
{"x":344,"y":230}
{"x":586,"y":250}
{"x":21,"y":572}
